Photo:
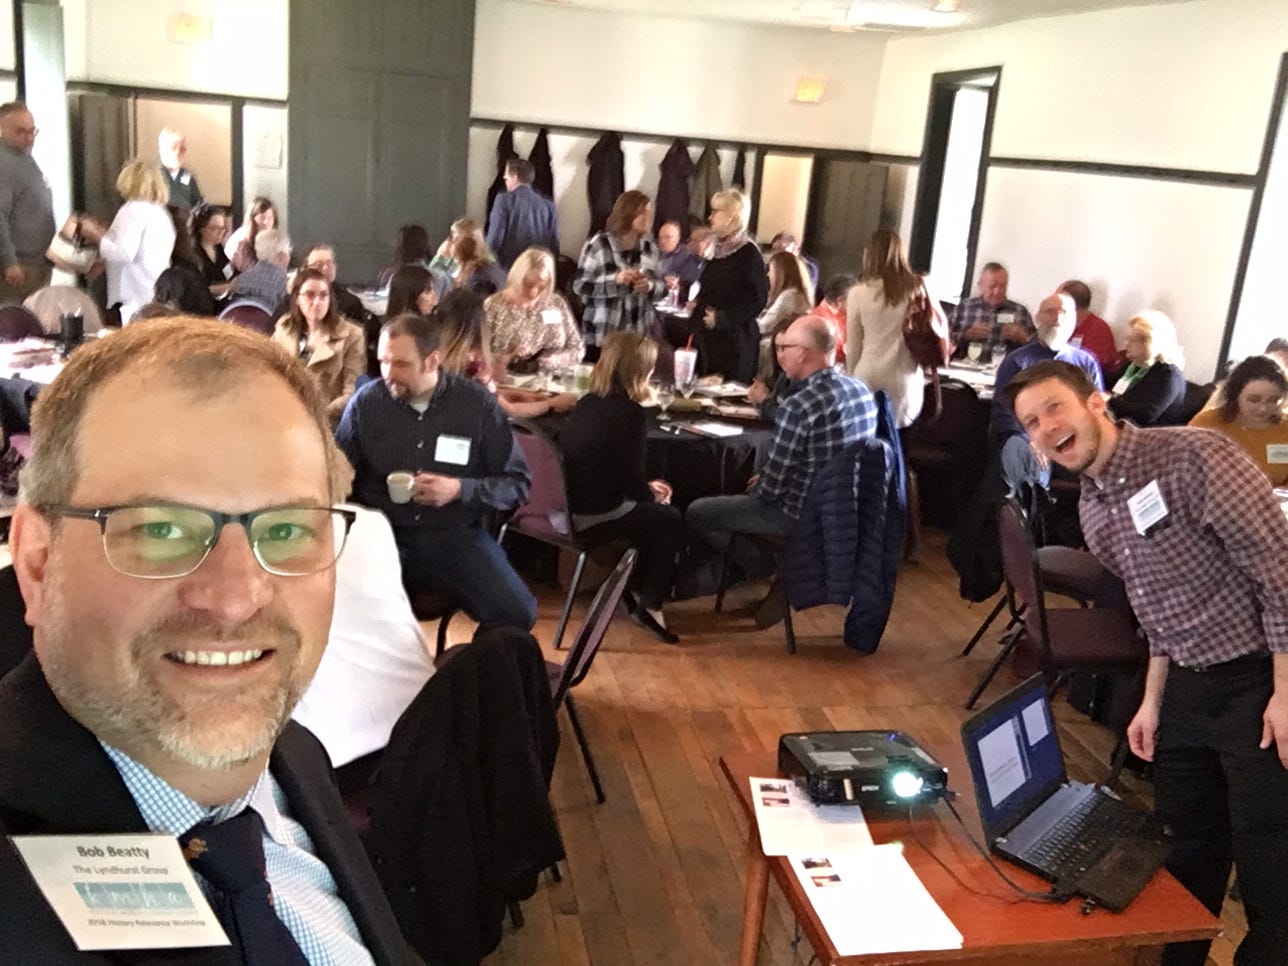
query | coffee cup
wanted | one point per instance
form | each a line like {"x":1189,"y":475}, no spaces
{"x":581,"y":375}
{"x":401,"y":485}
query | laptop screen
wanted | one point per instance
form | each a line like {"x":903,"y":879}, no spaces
{"x":1014,"y":756}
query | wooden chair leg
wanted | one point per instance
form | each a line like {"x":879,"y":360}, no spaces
{"x":568,"y":601}
{"x":585,"y":749}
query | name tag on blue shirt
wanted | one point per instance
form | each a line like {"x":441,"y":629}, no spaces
{"x":452,"y":449}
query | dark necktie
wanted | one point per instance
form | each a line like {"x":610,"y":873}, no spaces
{"x":230,"y":856}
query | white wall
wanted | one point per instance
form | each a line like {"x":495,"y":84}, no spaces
{"x":691,"y":79}
{"x":1261,"y":306}
{"x":1139,"y":244}
{"x":1177,"y":86}
{"x":6,"y":37}
{"x":264,"y":159}
{"x":115,"y":42}
{"x":568,"y":163}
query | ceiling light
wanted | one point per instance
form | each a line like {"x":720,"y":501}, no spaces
{"x":945,"y":6}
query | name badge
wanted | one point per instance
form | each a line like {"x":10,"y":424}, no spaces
{"x":452,"y":449}
{"x":121,"y":891}
{"x":551,"y":316}
{"x":1147,"y":508}
{"x":1277,"y":453}
{"x":185,"y":178}
{"x":228,"y":270}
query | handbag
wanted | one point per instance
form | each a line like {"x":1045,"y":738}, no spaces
{"x":925,"y":333}
{"x":71,"y":254}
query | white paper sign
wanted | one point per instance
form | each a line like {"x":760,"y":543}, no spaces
{"x":452,"y":449}
{"x":1147,"y":507}
{"x":551,"y":316}
{"x":871,"y":901}
{"x":1277,"y":453}
{"x":789,"y":822}
{"x":121,"y":891}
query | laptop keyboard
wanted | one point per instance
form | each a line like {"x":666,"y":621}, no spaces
{"x":1078,"y":839}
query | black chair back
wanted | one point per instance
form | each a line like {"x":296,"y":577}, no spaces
{"x":1020,"y":568}
{"x":17,"y":323}
{"x":544,"y":515}
{"x":250,"y":315}
{"x":594,"y":628}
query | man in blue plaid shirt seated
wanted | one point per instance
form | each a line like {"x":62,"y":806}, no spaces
{"x":826,"y":414}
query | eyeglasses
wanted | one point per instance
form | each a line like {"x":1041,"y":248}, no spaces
{"x":780,"y":346}
{"x":161,"y":541}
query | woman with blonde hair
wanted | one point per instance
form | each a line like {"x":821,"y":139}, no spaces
{"x":137,"y":246}
{"x":618,"y":279}
{"x":609,"y":493}
{"x":529,"y":324}
{"x":332,"y":348}
{"x":1251,"y":412}
{"x":734,"y":286}
{"x":1152,"y":390}
{"x":476,"y":268}
{"x":876,"y":308}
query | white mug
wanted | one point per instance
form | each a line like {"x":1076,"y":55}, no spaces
{"x":400,"y":486}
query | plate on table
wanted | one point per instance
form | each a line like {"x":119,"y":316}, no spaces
{"x":722,"y":390}
{"x":734,"y":411}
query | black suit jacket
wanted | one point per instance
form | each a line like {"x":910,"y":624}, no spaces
{"x":55,"y":778}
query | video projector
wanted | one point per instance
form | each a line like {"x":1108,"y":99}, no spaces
{"x":861,"y":768}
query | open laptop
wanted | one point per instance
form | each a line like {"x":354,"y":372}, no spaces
{"x":1077,"y":836}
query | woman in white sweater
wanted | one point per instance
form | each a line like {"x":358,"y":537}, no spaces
{"x":138,"y":246}
{"x":874,"y":348}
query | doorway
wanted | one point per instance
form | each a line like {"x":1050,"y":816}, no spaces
{"x":950,"y":187}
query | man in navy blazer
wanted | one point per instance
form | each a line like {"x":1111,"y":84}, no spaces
{"x":521,"y":218}
{"x":175,"y":544}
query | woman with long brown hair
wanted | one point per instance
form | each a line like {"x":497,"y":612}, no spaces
{"x":876,"y":308}
{"x":617,"y":275}
{"x":330,"y":346}
{"x":240,"y":246}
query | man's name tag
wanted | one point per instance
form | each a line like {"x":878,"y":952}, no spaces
{"x":1147,"y":508}
{"x":1277,"y":453}
{"x":121,"y":891}
{"x":452,"y":449}
{"x":551,"y":316}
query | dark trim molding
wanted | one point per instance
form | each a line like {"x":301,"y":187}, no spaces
{"x":19,"y":55}
{"x":125,"y":90}
{"x":1278,"y":104}
{"x":1217,"y":178}
{"x":981,"y":182}
{"x":236,"y":145}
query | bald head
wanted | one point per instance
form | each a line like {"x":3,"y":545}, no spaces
{"x":808,"y":345}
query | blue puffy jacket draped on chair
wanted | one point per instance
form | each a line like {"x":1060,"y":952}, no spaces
{"x":848,"y":543}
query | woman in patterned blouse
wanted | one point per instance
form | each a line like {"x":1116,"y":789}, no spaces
{"x":530,"y":326}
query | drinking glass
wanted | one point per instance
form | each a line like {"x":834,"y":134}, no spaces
{"x":665,"y":396}
{"x":999,"y":353}
{"x":974,"y":351}
{"x":686,"y":371}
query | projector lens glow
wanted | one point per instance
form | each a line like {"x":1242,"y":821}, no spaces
{"x":906,"y":784}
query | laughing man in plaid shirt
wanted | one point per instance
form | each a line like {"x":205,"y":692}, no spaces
{"x":1192,"y":527}
{"x":826,"y":414}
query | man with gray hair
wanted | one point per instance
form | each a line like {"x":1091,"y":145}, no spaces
{"x":826,"y":414}
{"x":26,"y":208}
{"x":179,"y":581}
{"x":172,"y":146}
{"x":265,"y":281}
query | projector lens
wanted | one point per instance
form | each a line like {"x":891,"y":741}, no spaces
{"x":906,"y":784}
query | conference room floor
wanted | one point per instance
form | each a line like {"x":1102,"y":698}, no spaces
{"x":654,"y":874}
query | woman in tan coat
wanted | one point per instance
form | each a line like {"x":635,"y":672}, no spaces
{"x":332,"y":347}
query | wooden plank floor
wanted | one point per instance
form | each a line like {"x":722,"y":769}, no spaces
{"x":653,"y":876}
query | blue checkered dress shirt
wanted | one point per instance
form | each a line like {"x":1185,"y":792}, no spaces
{"x":828,"y":413}
{"x":304,"y":893}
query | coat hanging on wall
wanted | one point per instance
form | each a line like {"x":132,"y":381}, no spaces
{"x":606,"y":178}
{"x":673,"y":188}
{"x":543,"y":181}
{"x":740,"y":170}
{"x":706,"y":182}
{"x":504,"y":152}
